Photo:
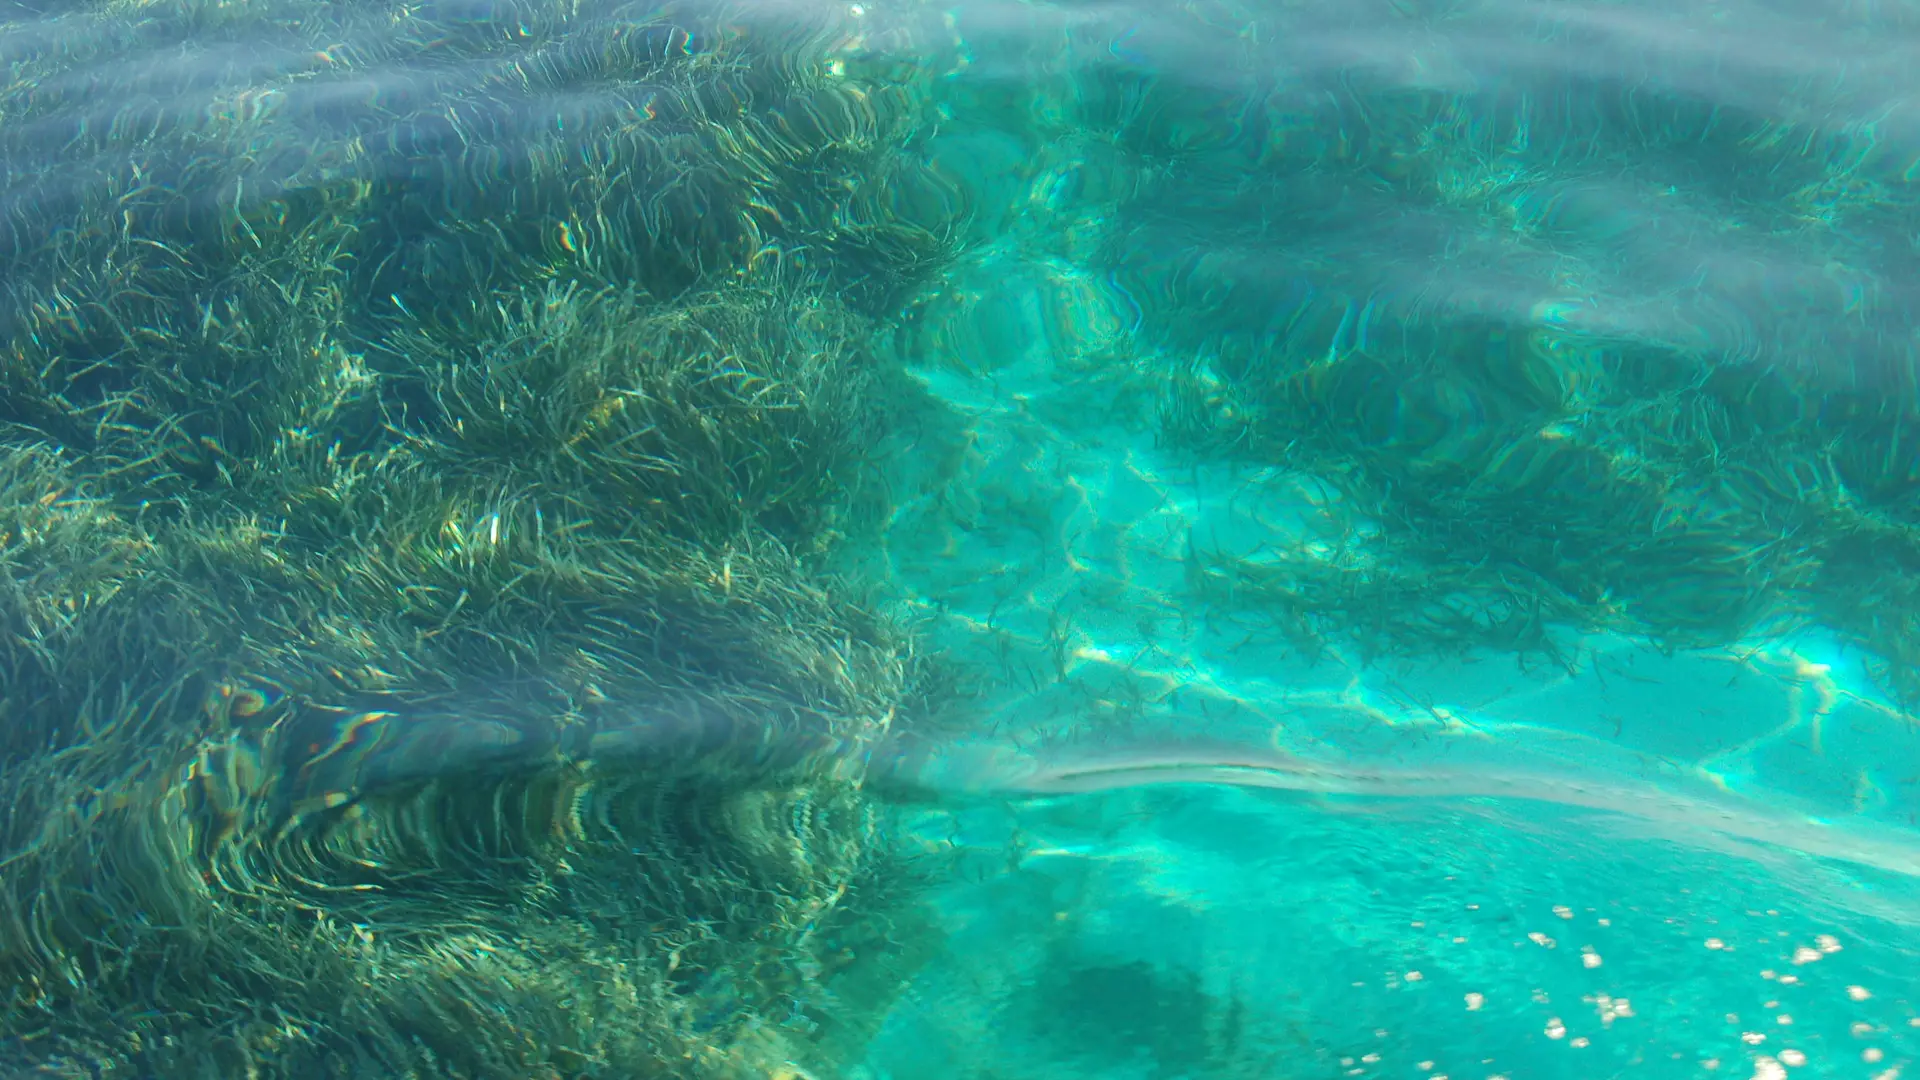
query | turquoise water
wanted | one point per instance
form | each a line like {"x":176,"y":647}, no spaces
{"x":1613,"y":865}
{"x":1467,"y":908}
{"x":982,"y":541}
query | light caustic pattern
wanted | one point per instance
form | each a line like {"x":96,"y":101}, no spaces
{"x":1721,"y":909}
{"x":1638,"y":865}
{"x":1279,"y":856}
{"x":1265,"y":935}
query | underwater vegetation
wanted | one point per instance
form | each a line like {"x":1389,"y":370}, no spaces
{"x":422,"y":433}
{"x":1568,"y":335}
{"x":444,"y":446}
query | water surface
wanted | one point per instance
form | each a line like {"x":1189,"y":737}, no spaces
{"x":999,"y":539}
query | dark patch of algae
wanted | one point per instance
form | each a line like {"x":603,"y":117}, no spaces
{"x":1510,"y":453}
{"x":421,"y":430}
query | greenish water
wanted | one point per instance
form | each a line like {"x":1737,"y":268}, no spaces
{"x":982,"y":541}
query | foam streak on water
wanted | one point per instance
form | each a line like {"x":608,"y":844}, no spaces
{"x":1685,"y":818}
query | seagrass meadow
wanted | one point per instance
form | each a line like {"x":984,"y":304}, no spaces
{"x":504,"y":503}
{"x":420,"y":448}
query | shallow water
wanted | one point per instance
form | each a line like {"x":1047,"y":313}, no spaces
{"x":1460,"y":900}
{"x":1427,"y":185}
{"x":1418,"y":501}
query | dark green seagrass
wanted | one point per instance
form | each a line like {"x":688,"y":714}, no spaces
{"x":422,"y":431}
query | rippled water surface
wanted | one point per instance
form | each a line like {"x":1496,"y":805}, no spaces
{"x":576,"y":538}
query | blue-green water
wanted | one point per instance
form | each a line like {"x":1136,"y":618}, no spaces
{"x":983,"y":541}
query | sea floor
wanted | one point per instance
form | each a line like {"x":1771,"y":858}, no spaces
{"x":1630,"y":861}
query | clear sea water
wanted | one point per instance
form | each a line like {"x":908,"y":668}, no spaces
{"x":1423,"y":497}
